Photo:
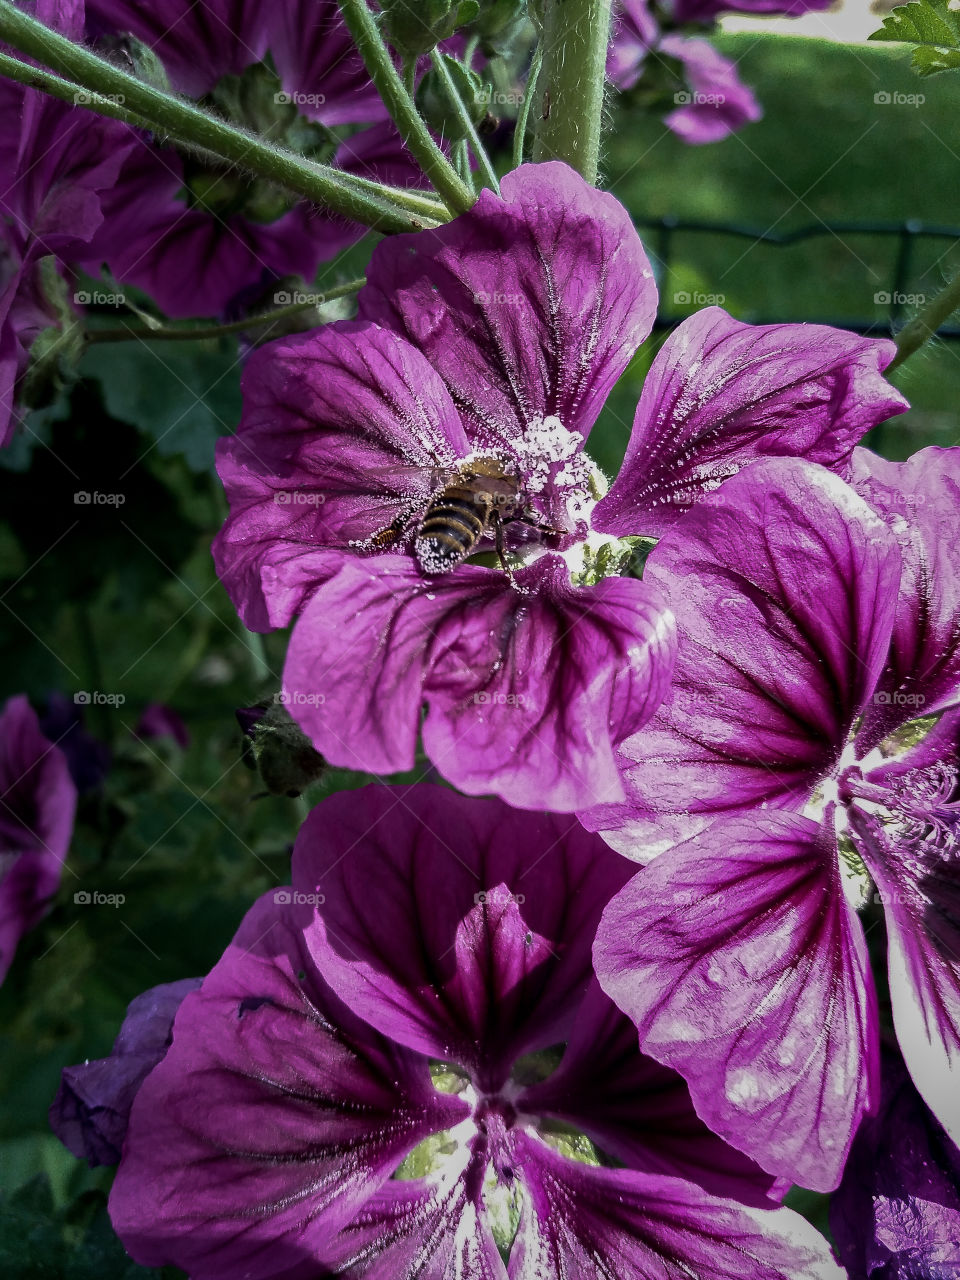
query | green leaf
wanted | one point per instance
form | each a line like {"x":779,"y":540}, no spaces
{"x":933,"y":27}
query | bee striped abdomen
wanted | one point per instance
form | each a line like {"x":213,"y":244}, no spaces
{"x":450,"y":529}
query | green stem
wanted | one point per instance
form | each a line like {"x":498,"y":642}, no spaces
{"x":65,"y":90}
{"x":571,"y":84}
{"x":923,"y":327}
{"x":487,"y":175}
{"x":126,"y":332}
{"x":520,"y":132}
{"x":190,"y":126}
{"x":410,"y":76}
{"x":455,"y":193}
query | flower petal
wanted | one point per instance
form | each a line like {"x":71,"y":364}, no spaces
{"x":919,"y":499}
{"x":744,"y":968}
{"x":636,"y":1110}
{"x":528,"y":306}
{"x":920,"y":888}
{"x":784,"y":587}
{"x":275,"y":1114}
{"x":342,"y":429}
{"x":530,"y":682}
{"x":719,"y":102}
{"x":582,"y":1221}
{"x":458,"y":927}
{"x":721,"y":394}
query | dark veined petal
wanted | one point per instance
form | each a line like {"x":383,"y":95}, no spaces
{"x":721,"y":394}
{"x":919,"y":884}
{"x":784,"y":587}
{"x":614,"y":1223}
{"x":530,"y":683}
{"x":458,"y":927}
{"x":274,"y":1116}
{"x":343,"y":429}
{"x":529,"y":306}
{"x":920,"y":500}
{"x":745,"y":969}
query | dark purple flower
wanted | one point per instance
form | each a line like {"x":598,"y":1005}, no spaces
{"x":896,"y":1214}
{"x":37,"y":805}
{"x":491,"y":341}
{"x":763,"y":785}
{"x":87,"y":758}
{"x":157,"y":720}
{"x":371,"y":1082}
{"x":708,"y":10}
{"x":196,"y":237}
{"x":92,"y":1108}
{"x":57,"y":162}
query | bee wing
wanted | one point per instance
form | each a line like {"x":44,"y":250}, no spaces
{"x":411,"y":481}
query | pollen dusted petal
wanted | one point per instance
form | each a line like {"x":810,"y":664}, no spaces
{"x":722,"y":394}
{"x":744,"y":968}
{"x":529,"y":685}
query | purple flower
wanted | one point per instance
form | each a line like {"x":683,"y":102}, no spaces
{"x":896,"y":1214}
{"x":37,"y":805}
{"x":57,"y":162}
{"x":482,"y":355}
{"x":716,"y":102}
{"x":783,"y":778}
{"x":92,"y":1108}
{"x":157,"y":720}
{"x":370,"y":1082}
{"x":196,"y":237}
{"x":88,"y":759}
{"x":708,"y":10}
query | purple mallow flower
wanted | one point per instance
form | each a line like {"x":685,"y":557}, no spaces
{"x":195,"y":236}
{"x":715,"y":102}
{"x":709,"y":10}
{"x":787,"y":777}
{"x":372,"y":1081}
{"x":37,"y":805}
{"x":896,"y":1214}
{"x":92,"y":1108}
{"x":481,"y":357}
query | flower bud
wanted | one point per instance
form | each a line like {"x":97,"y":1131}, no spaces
{"x":417,"y":29}
{"x":433,"y":101}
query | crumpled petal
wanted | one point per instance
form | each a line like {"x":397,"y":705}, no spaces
{"x":920,"y":500}
{"x":638,"y":1111}
{"x":720,"y":394}
{"x":530,"y":683}
{"x":91,"y":1111}
{"x":745,"y":969}
{"x":582,"y":1221}
{"x":38,"y":801}
{"x":784,"y":587}
{"x":896,"y":1214}
{"x":529,"y":306}
{"x":919,"y":883}
{"x":718,"y":102}
{"x":460,"y":928}
{"x":275,"y":1114}
{"x":343,"y":429}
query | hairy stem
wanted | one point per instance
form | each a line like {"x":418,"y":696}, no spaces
{"x":571,"y":83}
{"x":923,"y":327}
{"x":487,"y":175}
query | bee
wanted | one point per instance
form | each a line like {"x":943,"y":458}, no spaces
{"x":476,"y":498}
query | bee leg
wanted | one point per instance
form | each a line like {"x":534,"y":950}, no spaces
{"x":501,"y":544}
